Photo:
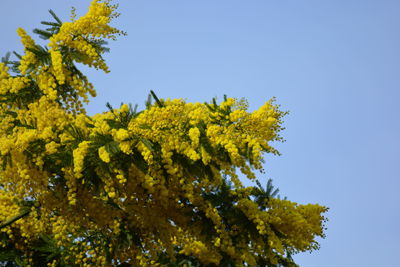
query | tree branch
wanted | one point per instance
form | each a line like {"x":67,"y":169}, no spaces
{"x":24,"y":213}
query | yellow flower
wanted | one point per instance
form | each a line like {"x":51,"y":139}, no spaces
{"x":79,"y":157}
{"x":124,"y":108}
{"x":103,"y":154}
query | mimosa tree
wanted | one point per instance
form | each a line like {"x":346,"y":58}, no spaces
{"x":157,"y":187}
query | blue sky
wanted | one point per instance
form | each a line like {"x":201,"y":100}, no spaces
{"x":335,"y":65}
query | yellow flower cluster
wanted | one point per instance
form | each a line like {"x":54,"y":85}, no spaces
{"x":78,"y":33}
{"x":13,"y":85}
{"x":3,"y":71}
{"x":122,"y":186}
{"x":79,"y":156}
{"x":29,"y":59}
{"x":27,"y":228}
{"x":194,"y":134}
{"x":164,"y":147}
{"x":199,"y":250}
{"x":58,"y":72}
{"x":103,"y":154}
{"x":57,"y":79}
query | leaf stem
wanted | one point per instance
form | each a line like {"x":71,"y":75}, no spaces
{"x":24,"y":213}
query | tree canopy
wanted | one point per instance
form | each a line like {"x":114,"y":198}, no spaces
{"x":156,"y":187}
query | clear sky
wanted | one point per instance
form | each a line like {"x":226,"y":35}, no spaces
{"x":335,"y":65}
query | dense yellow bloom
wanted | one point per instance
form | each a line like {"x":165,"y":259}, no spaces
{"x":3,"y":71}
{"x":93,"y":25}
{"x":79,"y":157}
{"x":199,"y":250}
{"x":103,"y":154}
{"x":13,"y":85}
{"x":56,"y":59}
{"x":121,"y":186}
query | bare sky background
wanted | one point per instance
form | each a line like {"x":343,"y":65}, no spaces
{"x":334,"y":64}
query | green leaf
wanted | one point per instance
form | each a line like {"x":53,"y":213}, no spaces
{"x":159,"y":103}
{"x":7,"y":254}
{"x":55,"y":16}
{"x":17,"y":55}
{"x":6,"y":58}
{"x":147,"y":143}
{"x":145,"y":126}
{"x":112,"y":148}
{"x":55,"y":24}
{"x":45,"y":35}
